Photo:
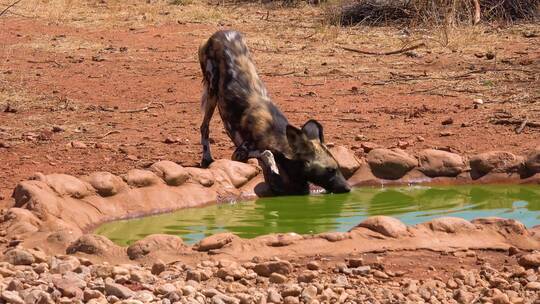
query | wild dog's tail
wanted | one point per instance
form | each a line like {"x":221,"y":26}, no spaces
{"x":210,"y":71}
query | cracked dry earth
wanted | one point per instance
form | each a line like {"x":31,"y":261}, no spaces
{"x":29,"y":276}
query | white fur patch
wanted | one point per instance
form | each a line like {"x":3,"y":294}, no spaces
{"x":231,"y":36}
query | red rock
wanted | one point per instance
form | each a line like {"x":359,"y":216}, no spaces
{"x":385,"y":225}
{"x":140,"y":178}
{"x":154,"y":243}
{"x":390,"y":164}
{"x":434,"y":163}
{"x":91,"y":244}
{"x":172,"y":173}
{"x":105,"y":183}
{"x":496,"y":162}
{"x":347,"y":161}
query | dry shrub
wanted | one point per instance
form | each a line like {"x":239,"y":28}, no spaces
{"x":431,"y":12}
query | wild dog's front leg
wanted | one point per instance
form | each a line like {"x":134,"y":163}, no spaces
{"x":241,"y":153}
{"x":271,"y":172}
{"x":208,"y":106}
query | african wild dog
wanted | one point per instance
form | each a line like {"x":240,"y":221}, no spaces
{"x":290,"y":157}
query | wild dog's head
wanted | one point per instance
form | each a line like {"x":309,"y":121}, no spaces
{"x":318,"y":165}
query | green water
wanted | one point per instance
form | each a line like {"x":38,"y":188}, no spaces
{"x":335,"y":212}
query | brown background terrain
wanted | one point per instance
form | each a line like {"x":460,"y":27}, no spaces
{"x":72,"y":74}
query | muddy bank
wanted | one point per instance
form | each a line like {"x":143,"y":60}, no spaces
{"x":57,"y":210}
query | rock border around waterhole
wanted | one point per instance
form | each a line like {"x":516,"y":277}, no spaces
{"x":57,"y":212}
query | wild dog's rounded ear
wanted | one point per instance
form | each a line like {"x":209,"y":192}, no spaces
{"x":298,"y":141}
{"x":313,"y":130}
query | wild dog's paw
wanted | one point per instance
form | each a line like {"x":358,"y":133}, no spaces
{"x":205,"y":162}
{"x":241,"y":154}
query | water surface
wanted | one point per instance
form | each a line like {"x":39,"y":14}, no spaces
{"x":335,"y":212}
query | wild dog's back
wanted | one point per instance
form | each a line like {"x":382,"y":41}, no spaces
{"x":232,"y":84}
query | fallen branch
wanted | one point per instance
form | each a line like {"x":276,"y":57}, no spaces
{"x":517,"y":122}
{"x":403,"y":50}
{"x":145,"y":109}
{"x":9,"y":6}
{"x":109,"y":133}
{"x":522,"y":126}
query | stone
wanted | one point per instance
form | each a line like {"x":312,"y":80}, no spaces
{"x":293,"y":290}
{"x":117,"y":290}
{"x":267,"y":268}
{"x":274,"y":296}
{"x":66,"y":185}
{"x":307,"y":276}
{"x":464,"y":297}
{"x":313,"y":265}
{"x":91,"y":244}
{"x":140,"y":178}
{"x":89,"y":294}
{"x":236,"y":272}
{"x":390,"y":164}
{"x":347,"y":161}
{"x":277,"y":278}
{"x":63,"y":264}
{"x":172,"y":173}
{"x":70,"y":287}
{"x":532,"y":163}
{"x":238,"y":173}
{"x":334,"y":236}
{"x":434,"y":163}
{"x":215,"y":241}
{"x":142,"y":276}
{"x":368,"y":146}
{"x":310,"y":292}
{"x":531,"y":260}
{"x":165,"y":289}
{"x":291,"y":300}
{"x":19,"y":257}
{"x":11,"y":297}
{"x":204,"y":177}
{"x":155,"y":242}
{"x":385,"y":225}
{"x":284,"y":239}
{"x":495,"y":162}
{"x":105,"y":183}
{"x":158,"y":267}
{"x":533,"y":286}
{"x":450,"y":224}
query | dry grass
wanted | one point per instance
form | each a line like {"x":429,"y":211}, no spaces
{"x":116,"y":12}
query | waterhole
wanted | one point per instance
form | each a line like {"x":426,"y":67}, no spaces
{"x":335,"y":212}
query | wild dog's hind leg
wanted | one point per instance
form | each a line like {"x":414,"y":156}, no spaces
{"x":208,"y":106}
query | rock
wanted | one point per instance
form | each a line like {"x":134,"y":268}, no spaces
{"x":284,"y":239}
{"x":385,"y":225}
{"x":165,"y":289}
{"x":155,"y":242}
{"x":274,"y":296}
{"x":140,"y":178}
{"x":390,"y":164}
{"x":495,"y":162}
{"x":362,"y":270}
{"x":532,"y":163}
{"x":291,"y":300}
{"x":215,"y":241}
{"x":89,"y":294}
{"x":11,"y":297}
{"x":447,"y":121}
{"x":434,"y":163}
{"x":234,"y":272}
{"x":533,"y":286}
{"x":310,"y":292}
{"x":347,"y":161}
{"x":117,"y":290}
{"x":63,"y":264}
{"x":66,"y":185}
{"x":158,"y":267}
{"x":450,"y":224}
{"x":334,"y":236}
{"x":78,"y":144}
{"x":105,"y":183}
{"x":464,"y":297}
{"x":307,"y":276}
{"x":70,"y":287}
{"x":293,"y":290}
{"x":277,"y":278}
{"x":267,"y":268}
{"x":238,"y":173}
{"x":204,"y":177}
{"x":313,"y":265}
{"x":368,"y":146}
{"x":501,"y":299}
{"x":172,"y":173}
{"x":531,"y":260}
{"x":19,"y":257}
{"x":91,"y":244}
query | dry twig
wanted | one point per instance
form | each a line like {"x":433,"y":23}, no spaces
{"x":414,"y":47}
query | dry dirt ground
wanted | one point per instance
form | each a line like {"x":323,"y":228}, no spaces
{"x":112,"y":85}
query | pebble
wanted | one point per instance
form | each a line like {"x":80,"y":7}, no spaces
{"x":277,"y":278}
